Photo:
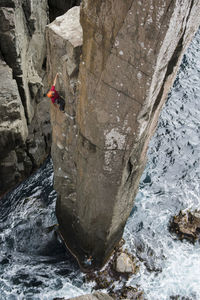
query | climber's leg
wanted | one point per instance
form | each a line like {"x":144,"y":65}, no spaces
{"x":61,"y":104}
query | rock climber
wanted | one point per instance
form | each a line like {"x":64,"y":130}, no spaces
{"x":88,"y":260}
{"x":55,"y":97}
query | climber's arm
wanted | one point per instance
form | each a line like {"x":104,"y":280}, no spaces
{"x":55,"y":79}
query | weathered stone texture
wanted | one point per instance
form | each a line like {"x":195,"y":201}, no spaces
{"x":11,"y":112}
{"x":23,"y":48}
{"x":131,"y":84}
{"x":22,"y":45}
{"x":13,"y":127}
{"x":131,"y":52}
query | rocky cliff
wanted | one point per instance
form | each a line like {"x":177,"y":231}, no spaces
{"x":25,"y":127}
{"x":130,"y":55}
{"x":25,"y":122}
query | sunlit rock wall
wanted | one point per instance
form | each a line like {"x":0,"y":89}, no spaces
{"x":130,"y":56}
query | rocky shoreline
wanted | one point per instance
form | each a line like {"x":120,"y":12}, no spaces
{"x":113,"y":277}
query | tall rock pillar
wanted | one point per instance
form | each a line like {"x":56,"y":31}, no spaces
{"x":130,"y":56}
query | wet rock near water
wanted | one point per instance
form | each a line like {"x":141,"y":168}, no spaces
{"x":128,"y":293}
{"x":124,"y":264}
{"x":178,"y":297}
{"x":186,"y":225}
{"x":115,"y":275}
{"x":148,"y":256}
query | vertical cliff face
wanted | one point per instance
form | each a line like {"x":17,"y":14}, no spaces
{"x":64,"y":44}
{"x":13,"y":126}
{"x":130,"y":56}
{"x":23,"y":49}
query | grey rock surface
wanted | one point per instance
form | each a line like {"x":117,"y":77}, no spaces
{"x":124,"y":264}
{"x":131,"y":53}
{"x":13,"y":127}
{"x":23,"y":48}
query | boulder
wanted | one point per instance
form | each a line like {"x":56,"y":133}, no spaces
{"x":124,"y":264}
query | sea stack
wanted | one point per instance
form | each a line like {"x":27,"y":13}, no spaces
{"x":116,"y":68}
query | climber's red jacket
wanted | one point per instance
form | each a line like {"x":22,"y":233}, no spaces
{"x":55,"y":96}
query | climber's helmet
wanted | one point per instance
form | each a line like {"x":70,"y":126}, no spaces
{"x":51,"y":94}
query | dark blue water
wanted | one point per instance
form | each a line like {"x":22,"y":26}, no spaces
{"x":33,"y":263}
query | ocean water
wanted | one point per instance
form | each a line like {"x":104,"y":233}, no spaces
{"x":170,"y":183}
{"x":33,"y":263}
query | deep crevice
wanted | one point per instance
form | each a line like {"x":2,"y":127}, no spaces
{"x":30,"y":23}
{"x":44,"y":64}
{"x":22,"y":95}
{"x":129,"y":169}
